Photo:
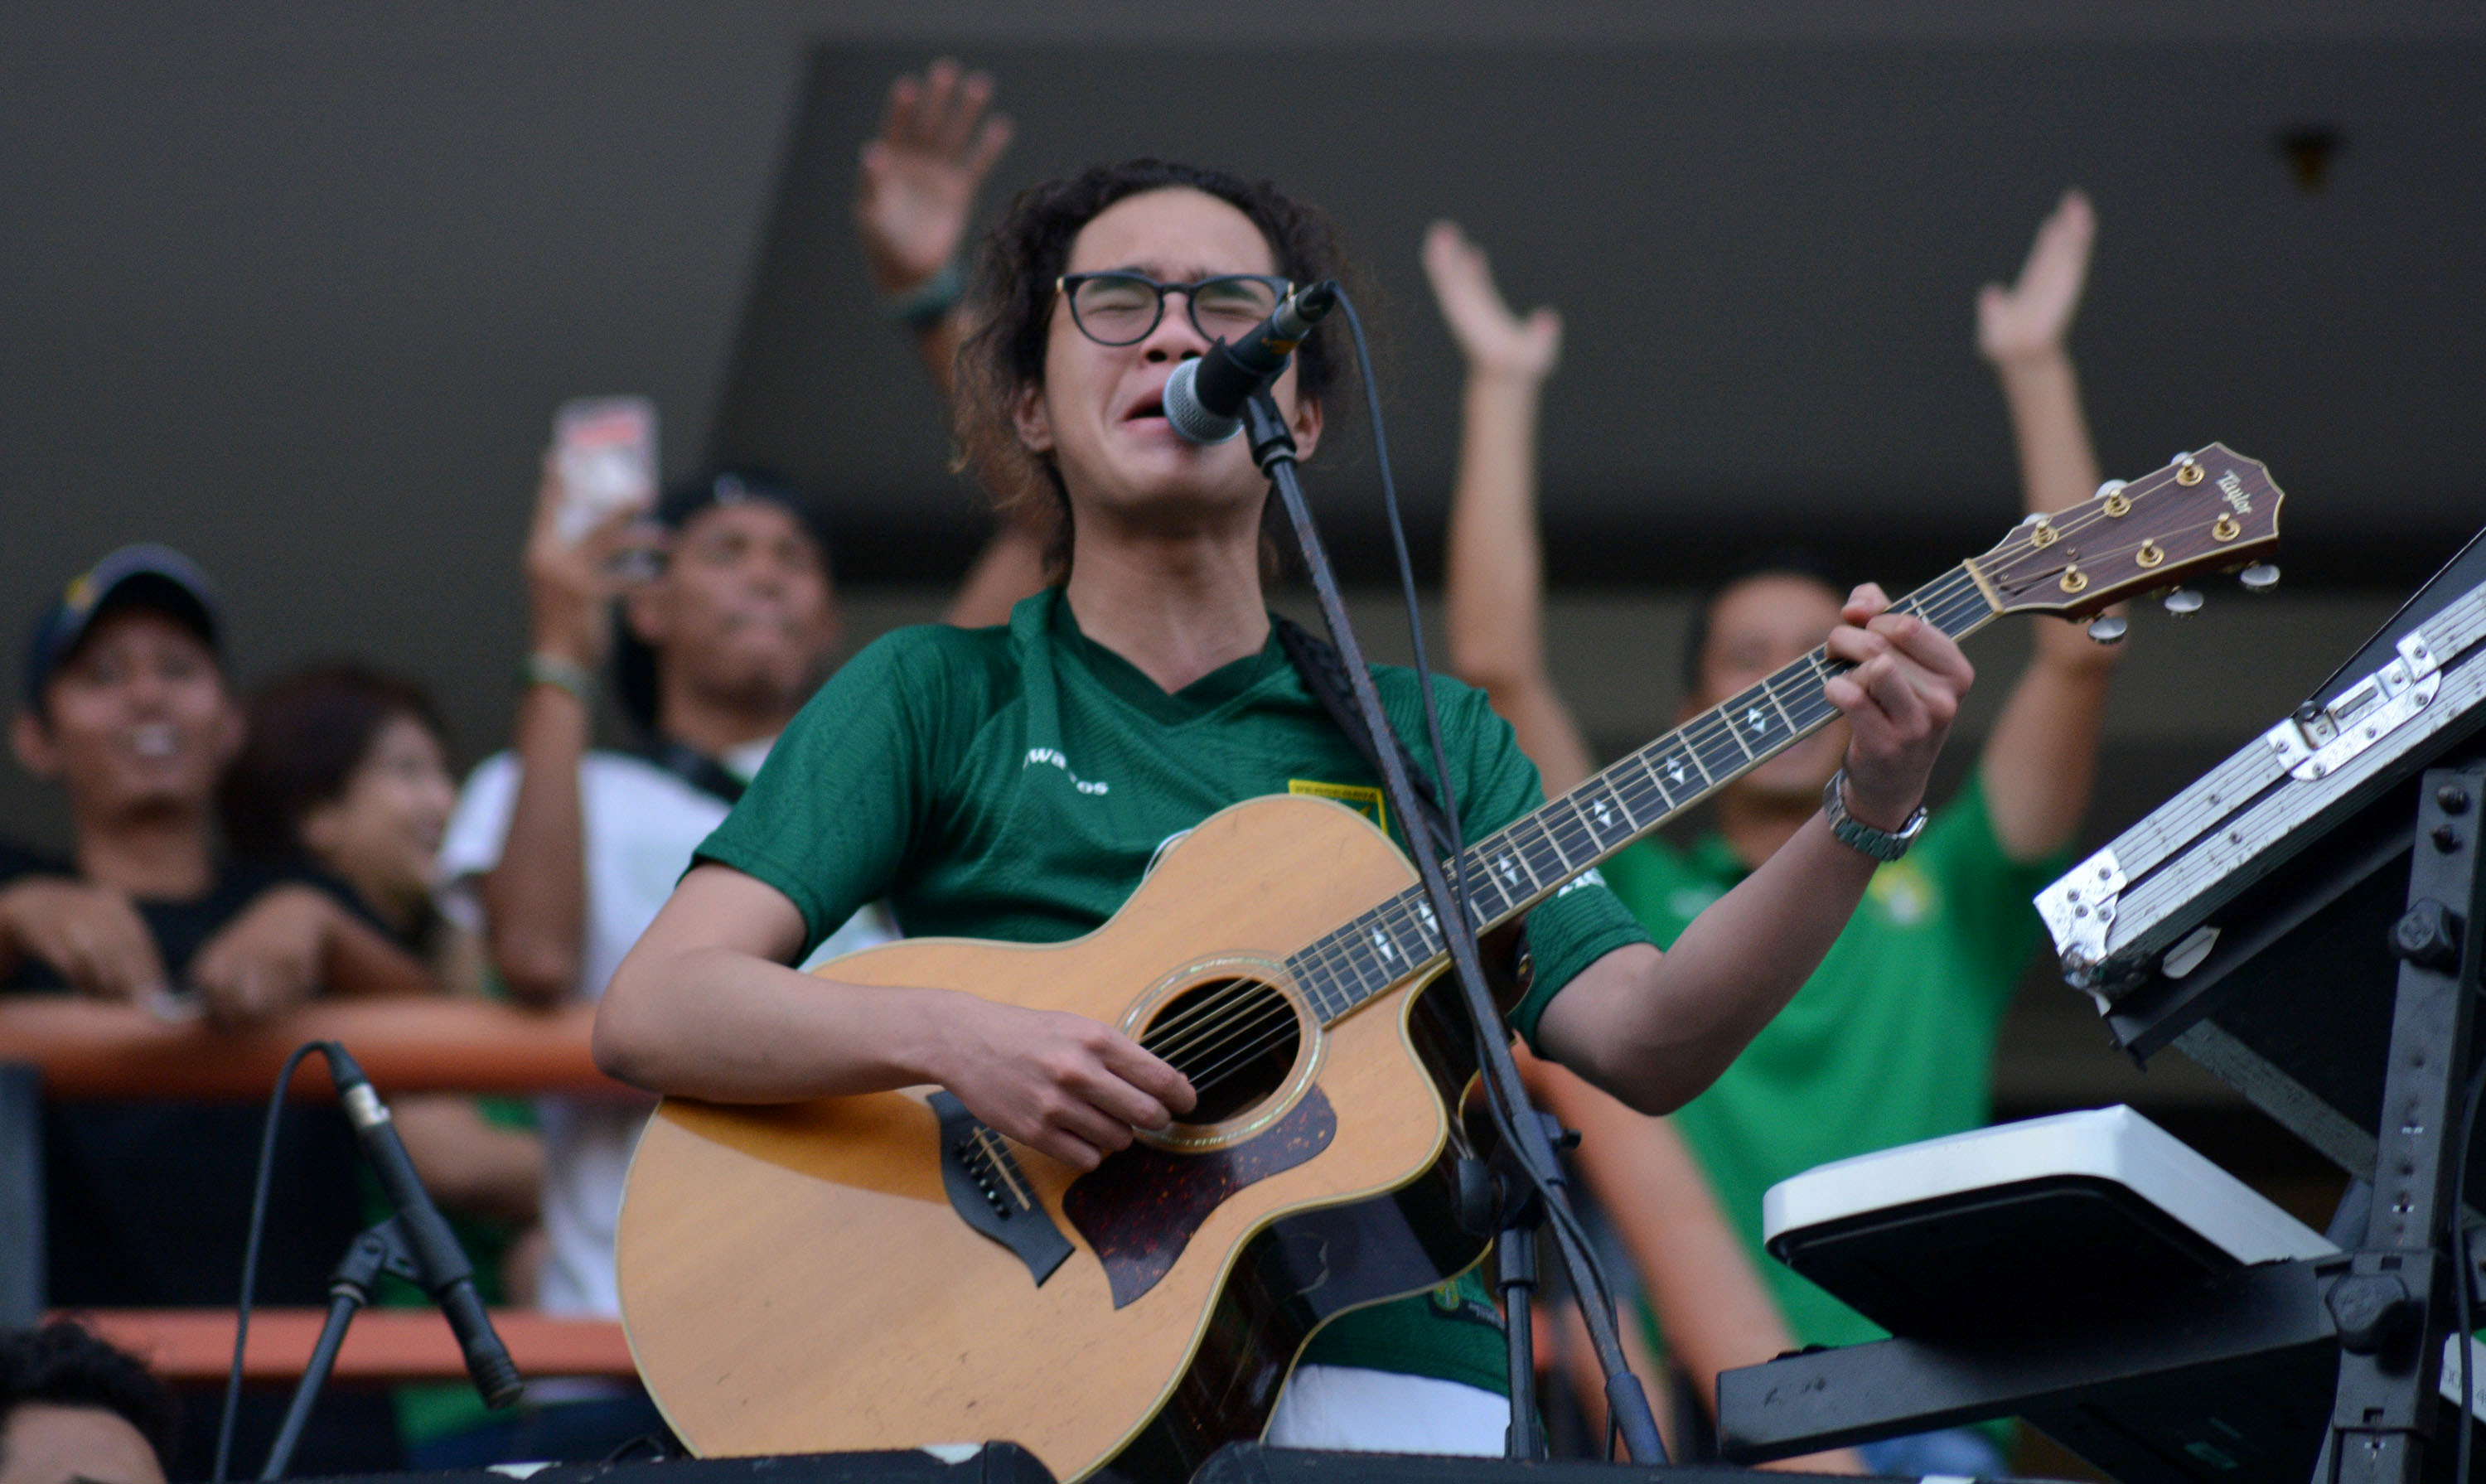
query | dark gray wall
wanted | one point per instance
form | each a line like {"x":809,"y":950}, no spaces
{"x":296,"y":286}
{"x":1768,"y":255}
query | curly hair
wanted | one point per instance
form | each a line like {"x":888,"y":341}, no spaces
{"x":1011,"y":310}
{"x":64,"y":1365}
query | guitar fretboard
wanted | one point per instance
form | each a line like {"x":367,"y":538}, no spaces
{"x":1536,"y":857}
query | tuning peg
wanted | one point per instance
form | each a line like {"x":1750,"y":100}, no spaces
{"x":2109,"y":487}
{"x":2260,"y":577}
{"x":2109,"y":630}
{"x":2182,"y":601}
{"x":2182,"y":457}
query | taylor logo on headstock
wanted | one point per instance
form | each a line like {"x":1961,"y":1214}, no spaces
{"x":2206,"y":511}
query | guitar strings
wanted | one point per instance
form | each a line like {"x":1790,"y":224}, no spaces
{"x":1939,"y":603}
{"x":1167,"y":1038}
{"x":1217,"y":1023}
{"x":1270,"y":1032}
{"x":1214,"y":1025}
{"x":1199,"y":1038}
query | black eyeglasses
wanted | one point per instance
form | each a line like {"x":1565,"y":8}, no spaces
{"x":1123,"y":309}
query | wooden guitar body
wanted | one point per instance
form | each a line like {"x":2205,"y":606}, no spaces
{"x":797,"y":1278}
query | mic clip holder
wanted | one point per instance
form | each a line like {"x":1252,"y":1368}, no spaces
{"x":385,"y":1247}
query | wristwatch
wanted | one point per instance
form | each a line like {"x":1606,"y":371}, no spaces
{"x":1857,"y":834}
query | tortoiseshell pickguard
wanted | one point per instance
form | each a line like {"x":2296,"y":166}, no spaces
{"x":1140,"y":1208}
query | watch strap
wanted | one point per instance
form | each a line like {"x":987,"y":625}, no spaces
{"x":1858,"y":835}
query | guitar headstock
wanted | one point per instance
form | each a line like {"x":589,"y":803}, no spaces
{"x":2207,"y":512}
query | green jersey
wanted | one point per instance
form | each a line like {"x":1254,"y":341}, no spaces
{"x":1889,"y":1042}
{"x":1016,"y":783}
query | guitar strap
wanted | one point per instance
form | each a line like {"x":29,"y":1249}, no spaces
{"x":1324,"y":675}
{"x":695,"y":768}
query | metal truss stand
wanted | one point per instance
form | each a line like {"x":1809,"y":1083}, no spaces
{"x":2223,"y":1379}
{"x":2396,"y":1303}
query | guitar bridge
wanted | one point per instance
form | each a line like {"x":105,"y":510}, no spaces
{"x":991,"y":1193}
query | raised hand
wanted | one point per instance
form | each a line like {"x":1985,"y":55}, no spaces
{"x":2031,"y":316}
{"x":918,"y":179}
{"x":1494,"y":340}
{"x":1899,"y":699}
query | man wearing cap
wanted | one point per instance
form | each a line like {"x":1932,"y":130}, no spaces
{"x":568,"y":851}
{"x":147,"y":1203}
{"x":128,"y":710}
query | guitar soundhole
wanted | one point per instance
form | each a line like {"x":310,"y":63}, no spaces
{"x":1235,"y":1039}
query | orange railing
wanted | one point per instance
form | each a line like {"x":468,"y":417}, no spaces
{"x":86,"y":1050}
{"x":189,"y":1345}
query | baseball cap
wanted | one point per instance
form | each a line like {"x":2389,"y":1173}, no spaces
{"x":737,"y":486}
{"x":155,"y":578}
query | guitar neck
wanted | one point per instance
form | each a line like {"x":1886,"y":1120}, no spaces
{"x":1536,"y":857}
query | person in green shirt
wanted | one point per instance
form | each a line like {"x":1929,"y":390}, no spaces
{"x":1016,"y":783}
{"x":1892,"y":1040}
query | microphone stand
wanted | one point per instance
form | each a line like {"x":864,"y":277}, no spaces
{"x":382,"y":1249}
{"x":1273,"y":451}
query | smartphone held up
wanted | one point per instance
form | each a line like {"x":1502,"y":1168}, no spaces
{"x":604,"y":451}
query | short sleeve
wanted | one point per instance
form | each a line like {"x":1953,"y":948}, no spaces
{"x":849,"y":792}
{"x":1583,"y":921}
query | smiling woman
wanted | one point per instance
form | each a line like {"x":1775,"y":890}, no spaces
{"x":349,"y":768}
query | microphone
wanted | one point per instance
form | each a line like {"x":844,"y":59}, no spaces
{"x":1204,"y":399}
{"x":440,"y":1263}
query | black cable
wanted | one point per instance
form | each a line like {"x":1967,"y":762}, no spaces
{"x":2464,"y":1275}
{"x":1570,"y":1233}
{"x":250,"y":1255}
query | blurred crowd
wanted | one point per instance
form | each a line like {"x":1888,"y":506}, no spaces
{"x":237,"y":852}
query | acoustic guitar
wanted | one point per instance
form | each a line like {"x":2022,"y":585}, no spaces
{"x":886,"y":1271}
